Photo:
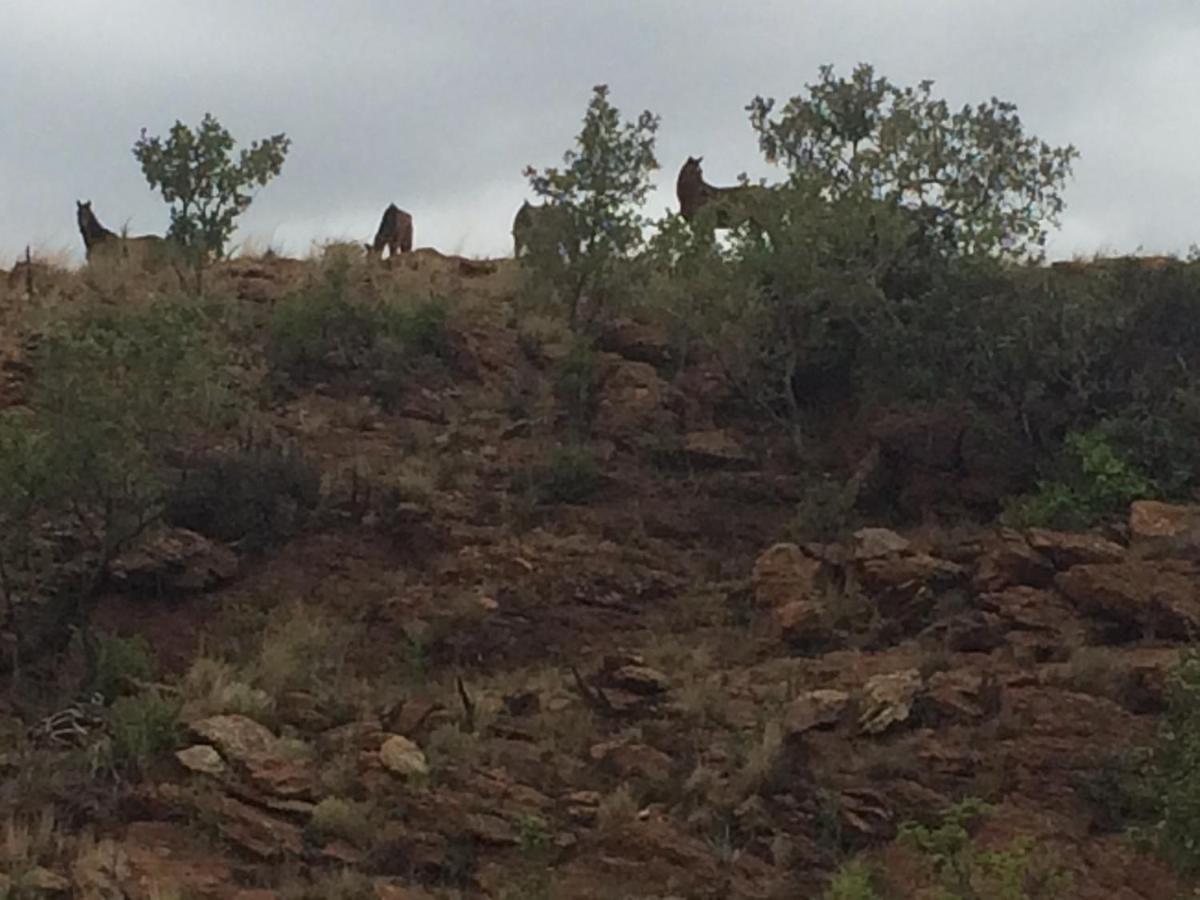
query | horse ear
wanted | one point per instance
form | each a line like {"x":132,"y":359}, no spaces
{"x":699,"y":159}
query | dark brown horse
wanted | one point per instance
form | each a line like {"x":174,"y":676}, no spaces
{"x":542,"y":226}
{"x":694,"y":193}
{"x":395,"y":233}
{"x":94,"y":234}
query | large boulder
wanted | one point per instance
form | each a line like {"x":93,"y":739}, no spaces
{"x":887,"y":700}
{"x":633,"y":404}
{"x":1009,"y":560}
{"x":1066,"y":549}
{"x":173,"y":560}
{"x":1138,"y":598}
{"x":785,"y":574}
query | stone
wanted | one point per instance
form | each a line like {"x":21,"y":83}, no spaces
{"x":803,"y":625}
{"x":201,"y":758}
{"x":873,"y":543}
{"x":887,"y":700}
{"x":42,"y":880}
{"x":632,"y":760}
{"x":954,"y":696}
{"x":282,"y":777}
{"x":641,"y":680}
{"x":908,"y":574}
{"x":1066,"y":549}
{"x":631,"y":404}
{"x":237,"y":737}
{"x":1143,"y":599}
{"x":716,"y":449}
{"x":262,"y":834}
{"x":815,"y":709}
{"x":1009,"y":560}
{"x":401,"y":756}
{"x":1150,"y":519}
{"x":173,"y":559}
{"x":785,"y":574}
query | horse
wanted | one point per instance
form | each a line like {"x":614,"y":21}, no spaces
{"x":98,"y":241}
{"x":733,"y":205}
{"x":395,"y":233}
{"x":540,"y":225}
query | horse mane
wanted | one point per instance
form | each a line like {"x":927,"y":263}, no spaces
{"x":89,"y":226}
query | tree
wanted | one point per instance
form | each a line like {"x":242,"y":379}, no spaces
{"x":206,"y":187}
{"x":991,"y":188}
{"x":604,"y":181}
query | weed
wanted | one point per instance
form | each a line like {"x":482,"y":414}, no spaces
{"x":143,"y":727}
{"x":853,"y":881}
{"x":121,"y":663}
{"x":570,"y":476}
{"x":337,"y":817}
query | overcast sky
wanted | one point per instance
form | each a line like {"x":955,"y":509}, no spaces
{"x":438,"y":106}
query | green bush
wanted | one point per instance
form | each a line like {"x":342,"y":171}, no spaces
{"x":252,"y":497}
{"x":853,"y":881}
{"x":1093,"y":482}
{"x":87,"y":465}
{"x":143,"y":727}
{"x":122,"y":660}
{"x":1176,"y":763}
{"x":321,"y":332}
{"x":575,"y":384}
{"x":964,"y":871}
{"x":570,"y":476}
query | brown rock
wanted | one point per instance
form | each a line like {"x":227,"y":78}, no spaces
{"x":1150,"y":519}
{"x":716,"y":449}
{"x":282,"y":777}
{"x":632,"y":403}
{"x":1142,"y":598}
{"x":909,"y":573}
{"x":400,"y":755}
{"x":174,"y":559}
{"x":887,"y":700}
{"x":1009,"y":560}
{"x":237,"y":737}
{"x":641,"y":680}
{"x":201,"y":758}
{"x":955,"y":696}
{"x":1066,"y":549}
{"x":784,"y":575}
{"x":874,"y":543}
{"x":161,"y":854}
{"x":251,"y":828}
{"x":816,"y":709}
{"x":803,"y":625}
{"x":633,"y":760}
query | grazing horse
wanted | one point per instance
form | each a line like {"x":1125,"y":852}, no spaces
{"x":395,"y":233}
{"x":732,"y":204}
{"x":147,"y":249}
{"x":541,"y":225}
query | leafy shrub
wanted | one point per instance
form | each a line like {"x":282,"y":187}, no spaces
{"x":143,"y":727}
{"x":120,"y":660}
{"x":252,"y":496}
{"x":825,"y":512}
{"x":337,"y":817}
{"x":1094,"y":481}
{"x":1176,"y":762}
{"x":965,"y":871}
{"x":853,"y":881}
{"x":320,"y":332}
{"x":570,"y":476}
{"x":575,"y":383}
{"x":87,"y":465}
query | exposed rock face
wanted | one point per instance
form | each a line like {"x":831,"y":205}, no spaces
{"x":816,"y":709}
{"x":174,"y":560}
{"x":1065,"y":549}
{"x":785,"y":574}
{"x":887,"y":700}
{"x":716,"y":449}
{"x":633,"y":404}
{"x":1149,"y":519}
{"x":1009,"y":560}
{"x":1142,"y":599}
{"x":400,"y":755}
{"x":873,"y":543}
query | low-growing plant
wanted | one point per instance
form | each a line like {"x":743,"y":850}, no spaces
{"x":351,"y":820}
{"x":251,"y":497}
{"x":575,"y":387}
{"x":855,"y":880}
{"x":1175,"y":765}
{"x":965,"y":871}
{"x":1094,"y":481}
{"x":121,"y":663}
{"x":143,"y":727}
{"x":571,"y":475}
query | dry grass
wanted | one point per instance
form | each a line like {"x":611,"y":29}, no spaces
{"x":213,"y":687}
{"x":617,"y":810}
{"x":350,"y":820}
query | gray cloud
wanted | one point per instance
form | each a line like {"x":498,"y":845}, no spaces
{"x":438,"y":107}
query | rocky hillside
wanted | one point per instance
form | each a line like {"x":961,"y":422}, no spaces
{"x":488,"y":662}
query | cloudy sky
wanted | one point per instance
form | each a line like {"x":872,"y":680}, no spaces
{"x":438,"y":106}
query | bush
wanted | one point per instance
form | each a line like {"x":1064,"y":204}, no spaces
{"x":570,"y":476}
{"x":321,"y":332}
{"x":143,"y":727}
{"x":87,"y":466}
{"x":120,"y":662}
{"x":963,"y":870}
{"x":853,"y":881}
{"x":336,"y":817}
{"x":1176,"y":762}
{"x":252,"y":497}
{"x":1094,"y":482}
{"x":575,"y":384}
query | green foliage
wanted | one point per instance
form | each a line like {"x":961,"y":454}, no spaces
{"x":1175,"y":767}
{"x":964,"y":871}
{"x":825,"y":512}
{"x":252,"y":497}
{"x":143,"y":727}
{"x":595,"y":197}
{"x":570,"y":476}
{"x":853,"y":881}
{"x":337,"y":817}
{"x":1094,"y":481}
{"x":575,"y":384}
{"x":88,"y":464}
{"x":205,"y":186}
{"x":989,"y":188}
{"x":321,"y":331}
{"x":120,"y":660}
